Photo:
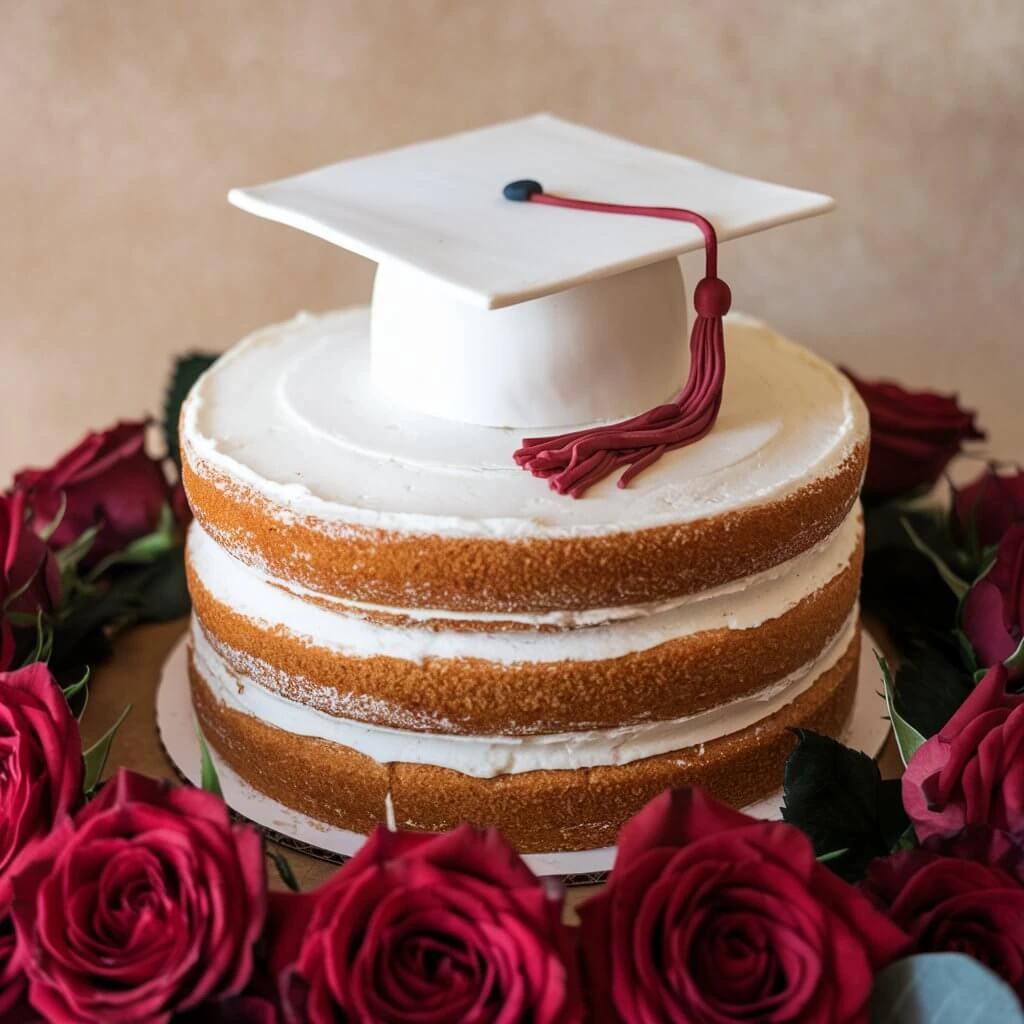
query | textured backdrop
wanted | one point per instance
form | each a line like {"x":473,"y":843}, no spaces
{"x":125,"y":123}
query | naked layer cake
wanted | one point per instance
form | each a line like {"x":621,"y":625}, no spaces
{"x":394,"y":622}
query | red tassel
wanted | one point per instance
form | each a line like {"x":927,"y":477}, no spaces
{"x":574,"y":462}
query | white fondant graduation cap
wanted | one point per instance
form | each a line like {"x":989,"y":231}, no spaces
{"x":529,"y":314}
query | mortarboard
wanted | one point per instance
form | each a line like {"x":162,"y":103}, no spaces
{"x":539,"y":312}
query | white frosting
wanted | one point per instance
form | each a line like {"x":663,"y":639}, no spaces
{"x":610,"y":348}
{"x":290,"y":415}
{"x":488,"y":756}
{"x":740,"y":605}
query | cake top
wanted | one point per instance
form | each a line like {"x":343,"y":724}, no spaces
{"x":288,"y":416}
{"x":437,"y":208}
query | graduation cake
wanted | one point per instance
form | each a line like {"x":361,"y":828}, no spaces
{"x":501,"y":547}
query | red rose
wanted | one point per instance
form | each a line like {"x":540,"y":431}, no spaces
{"x":29,"y":577}
{"x":106,"y":478}
{"x":992,"y":504}
{"x":711,"y":916}
{"x":964,"y":895}
{"x":972,"y":771}
{"x":914,"y":434}
{"x":12,"y":975}
{"x":147,"y":903}
{"x":428,"y":929}
{"x":40,"y":759}
{"x":993,"y":613}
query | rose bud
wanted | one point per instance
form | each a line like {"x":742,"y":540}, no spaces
{"x":914,"y":435}
{"x":106,"y":478}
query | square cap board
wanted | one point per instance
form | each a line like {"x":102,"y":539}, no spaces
{"x":437,"y":207}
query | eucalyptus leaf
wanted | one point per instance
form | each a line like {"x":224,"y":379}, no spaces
{"x":187,"y":370}
{"x":208,"y":779}
{"x":942,"y":988}
{"x":908,"y":739}
{"x":96,"y":756}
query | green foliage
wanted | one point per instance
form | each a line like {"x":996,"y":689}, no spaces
{"x":96,"y":756}
{"x":908,"y":739}
{"x":838,"y":798}
{"x":187,"y":370}
{"x":208,"y":779}
{"x":284,"y":869}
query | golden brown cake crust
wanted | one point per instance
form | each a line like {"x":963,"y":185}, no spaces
{"x":537,"y":811}
{"x":680,"y":677}
{"x":527,"y":576}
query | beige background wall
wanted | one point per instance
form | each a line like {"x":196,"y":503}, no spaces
{"x":124,"y":124}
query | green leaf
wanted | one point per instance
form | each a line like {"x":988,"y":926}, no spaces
{"x":908,"y":739}
{"x":1016,"y":660}
{"x":44,"y":638}
{"x":208,"y":779}
{"x":929,"y":690}
{"x":827,"y":858}
{"x":187,"y":370}
{"x":284,"y":869}
{"x":967,"y":655}
{"x":143,"y":549}
{"x":907,"y":841}
{"x":949,"y":577}
{"x":839,"y":799}
{"x":72,"y":691}
{"x":942,"y":988}
{"x":70,"y":556}
{"x":51,"y":527}
{"x":96,"y":756}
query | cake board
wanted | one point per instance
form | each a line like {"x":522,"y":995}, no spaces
{"x":867,"y":729}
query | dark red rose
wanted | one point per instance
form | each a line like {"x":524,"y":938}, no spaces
{"x":964,"y":895}
{"x":236,"y":1010}
{"x":148,"y":902}
{"x":990,"y":505}
{"x":711,"y":916}
{"x":40,"y":759}
{"x":914,"y":434}
{"x":426,"y":929}
{"x":12,"y":975}
{"x":106,"y":478}
{"x":972,"y":771}
{"x":993,"y":613}
{"x":29,"y":577}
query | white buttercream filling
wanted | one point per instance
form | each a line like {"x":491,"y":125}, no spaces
{"x":746,"y":604}
{"x":489,"y":756}
{"x":288,"y":415}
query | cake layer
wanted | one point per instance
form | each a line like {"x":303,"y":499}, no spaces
{"x":537,"y":810}
{"x":488,"y":756}
{"x":295,"y":468}
{"x":663,"y":663}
